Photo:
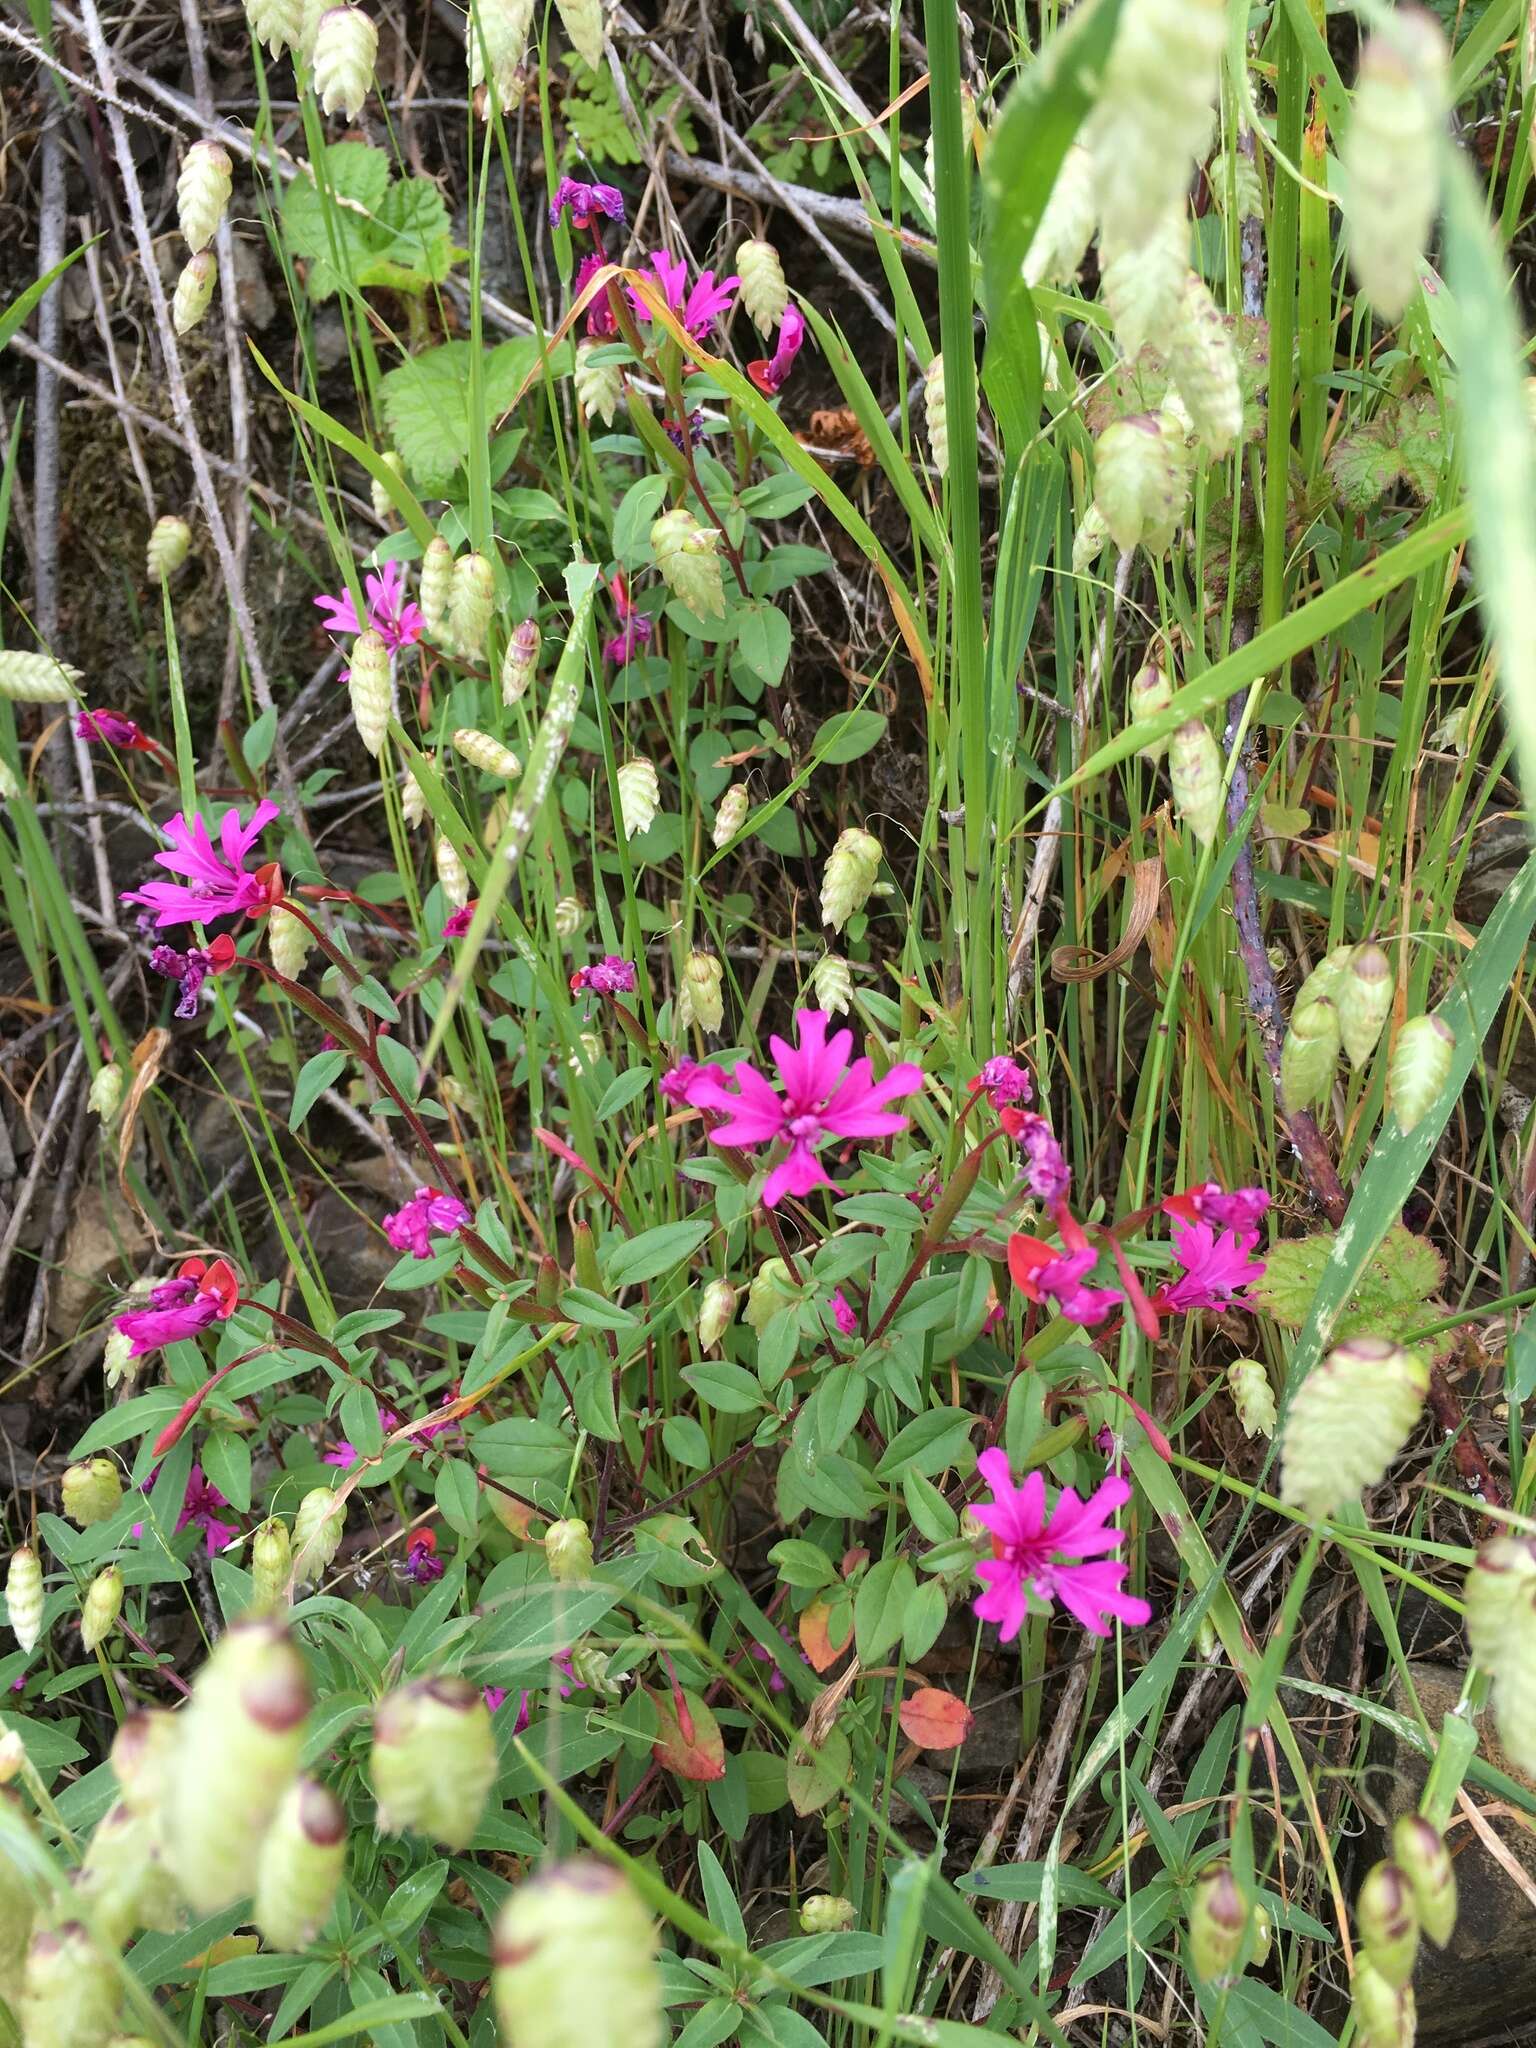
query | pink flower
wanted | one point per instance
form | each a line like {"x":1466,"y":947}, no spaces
{"x":1042,"y":1273}
{"x":345,"y":1456}
{"x":410,"y":1228}
{"x":844,"y":1314}
{"x":1002,"y":1080}
{"x":397,"y":623}
{"x":634,"y":634}
{"x":459,"y":923}
{"x":113,"y":728}
{"x":1045,"y":1556}
{"x":677,"y":1082}
{"x":193,"y":968}
{"x":761,"y":1654}
{"x":822,"y":1097}
{"x":216,"y":883}
{"x":1045,"y":1167}
{"x":769,"y":376}
{"x":601,"y":325}
{"x":1205,"y":1203}
{"x":586,"y":203}
{"x":495,"y":1695}
{"x":1216,"y":1269}
{"x":422,"y":1563}
{"x":184,"y":1307}
{"x":610,"y":977}
{"x":202,"y":1497}
{"x":699,"y":308}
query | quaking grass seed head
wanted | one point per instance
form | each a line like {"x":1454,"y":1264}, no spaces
{"x":1419,"y":1067}
{"x":571,"y":1940}
{"x":90,"y":1491}
{"x":1419,"y":1851}
{"x":24,"y":1596}
{"x":1348,"y":1420}
{"x":1218,"y":1920}
{"x":849,"y":876}
{"x":1387,"y":1923}
{"x":101,"y":1606}
{"x":169,"y":544}
{"x":434,"y":1760}
{"x":302,"y":1860}
{"x":346,"y":49}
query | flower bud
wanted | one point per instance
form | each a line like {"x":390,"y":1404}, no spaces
{"x":832,"y":985}
{"x":1501,"y":1631}
{"x":69,"y":1994}
{"x":484,"y":752}
{"x":571,"y":1941}
{"x":1425,"y":1862}
{"x":685,"y":555}
{"x":383,"y":504}
{"x":289,"y":939}
{"x":1349,"y":1418}
{"x":1252,"y":1396}
{"x":1141,"y":281}
{"x":271,"y":1566}
{"x":36,"y":678}
{"x":452,"y":875}
{"x":584,"y":1266}
{"x":764,"y":292}
{"x":371,"y":689}
{"x":569,"y":917}
{"x":1419,"y":1067}
{"x":1139,"y":482}
{"x":300,"y":1867}
{"x":194,"y":291}
{"x":277,"y":23}
{"x":1203,"y":364}
{"x":102,"y":1604}
{"x":1390,"y":156}
{"x":24,"y":1596}
{"x":849,"y":876}
{"x":1387,"y":1923}
{"x":169,"y":544}
{"x":824,"y":1913}
{"x":935,"y":406}
{"x":717,"y":1311}
{"x":1218,"y":1920}
{"x":1156,"y":111}
{"x":144,"y":1750}
{"x":702,"y":992}
{"x":568,"y":1550}
{"x":117,"y":1360}
{"x":434,"y":1760}
{"x":1151,"y":692}
{"x":1364,"y":1002}
{"x":639,"y":795}
{"x":90,"y":1492}
{"x":240,"y":1735}
{"x":498,"y":32}
{"x":1066,"y":225}
{"x":317,"y":1531}
{"x":436,"y":584}
{"x":731,"y":815}
{"x":1384,"y":2015}
{"x":1195,"y":771}
{"x":599,"y":384}
{"x":471,"y":600}
{"x":413,"y":805}
{"x":1326,"y":981}
{"x":125,"y":1879}
{"x":202,"y":193}
{"x":346,"y":47}
{"x":1309,"y":1054}
{"x":771,"y":1292}
{"x":583,"y":23}
{"x":520,"y":661}
{"x":106,"y":1096}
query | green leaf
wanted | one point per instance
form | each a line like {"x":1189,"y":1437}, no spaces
{"x":929,"y":1443}
{"x":730,"y":1388}
{"x":685,"y":1440}
{"x":848,"y":736}
{"x":763,"y":639}
{"x":314,"y":1077}
{"x":924,"y":1619}
{"x":1402,"y":1274}
{"x":802,"y":1564}
{"x":257,"y":744}
{"x":655,"y":1252}
{"x":458,"y":1496}
{"x":426,"y":404}
{"x":879,"y":1607}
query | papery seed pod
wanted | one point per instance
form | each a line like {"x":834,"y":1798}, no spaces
{"x":703,"y":986}
{"x":1326,"y":981}
{"x":239,"y":1738}
{"x":1419,"y":1067}
{"x":289,"y":939}
{"x":849,"y":876}
{"x":685,"y":555}
{"x":302,"y":1859}
{"x":102,"y":1604}
{"x":106,"y":1096}
{"x":717,"y":1311}
{"x":118,"y":1361}
{"x":1384,"y":2015}
{"x":1350,"y":1417}
{"x":36,"y":678}
{"x":383,"y":504}
{"x":471,"y":599}
{"x":318,"y":1527}
{"x":170,"y":542}
{"x":1066,"y":226}
{"x":771,"y":1292}
{"x":568,"y":1550}
{"x":1501,"y":1632}
{"x":639,"y":794}
{"x":144,"y":1752}
{"x":731,"y":815}
{"x":1390,"y":156}
{"x":1252,"y":1396}
{"x":764,"y":291}
{"x":434,"y":1760}
{"x":486,"y":753}
{"x":572,"y":1940}
{"x":936,"y":411}
{"x":271,"y":1566}
{"x":90,"y":1492}
{"x":569,"y":917}
{"x":520,"y":662}
{"x":277,"y":23}
{"x":371,"y":690}
{"x":1139,"y":483}
{"x":1203,"y":363}
{"x":1089,"y":541}
{"x":69,"y":1994}
{"x":436,"y":584}
{"x":1140,"y":282}
{"x":346,"y":49}
{"x":497,"y":40}
{"x":1364,"y":1002}
{"x":583,"y":23}
{"x":1156,"y":111}
{"x":824,"y":1913}
{"x":203,"y":187}
{"x":124,"y":1877}
{"x":1387,"y":1923}
{"x":413,"y":804}
{"x":1195,"y":772}
{"x":1309,"y":1054}
{"x":1421,"y":1855}
{"x":1218,"y":1920}
{"x":452,"y":875}
{"x":1150,"y":693}
{"x":599,"y":385}
{"x":24,"y":1596}
{"x":194,"y":290}
{"x":832,"y":985}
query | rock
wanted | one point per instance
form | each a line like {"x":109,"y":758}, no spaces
{"x":103,"y":1248}
{"x":353,"y":1258}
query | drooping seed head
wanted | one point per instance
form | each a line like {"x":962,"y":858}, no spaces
{"x":434,"y":1760}
{"x":571,"y":1941}
{"x":1348,"y":1420}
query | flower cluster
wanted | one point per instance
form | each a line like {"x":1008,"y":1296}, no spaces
{"x":610,"y":977}
{"x":200,"y":1294}
{"x":398,"y":623}
{"x":634,"y":625}
{"x":587,"y":203}
{"x":771,"y":373}
{"x":193,"y":967}
{"x":216,"y":883}
{"x":410,"y":1228}
{"x":698,"y":306}
{"x":114,"y":730}
{"x":1060,"y":1556}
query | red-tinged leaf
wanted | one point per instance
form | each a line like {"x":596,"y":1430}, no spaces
{"x":688,"y":1739}
{"x":553,"y":1143}
{"x":816,"y":1638}
{"x":935,"y":1720}
{"x":177,"y":1427}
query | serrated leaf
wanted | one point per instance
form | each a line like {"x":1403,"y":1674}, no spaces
{"x":426,"y":404}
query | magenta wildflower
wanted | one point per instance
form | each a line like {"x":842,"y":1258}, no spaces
{"x":823,"y":1096}
{"x":697,"y":308}
{"x":422,"y":1563}
{"x":1046,"y":1555}
{"x":114,"y":729}
{"x":184,"y":1307}
{"x":586,"y":202}
{"x":1044,"y":1274}
{"x":1242,"y":1209}
{"x":459,"y":923}
{"x":216,"y":883}
{"x":495,"y":1695}
{"x":449,"y":1422}
{"x":410,"y":1228}
{"x":397,"y":623}
{"x":844,"y":1314}
{"x":1045,"y":1165}
{"x":197,"y":1510}
{"x":1216,"y":1269}
{"x":677,"y":1082}
{"x":770,"y":375}
{"x":1003,"y":1081}
{"x":192,"y":968}
{"x":632,"y":635}
{"x":601,"y":325}
{"x":610,"y":977}
{"x":345,"y":1456}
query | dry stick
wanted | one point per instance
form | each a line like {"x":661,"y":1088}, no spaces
{"x":109,"y":349}
{"x":63,"y":1098}
{"x":58,"y":1218}
{"x":845,"y":216}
